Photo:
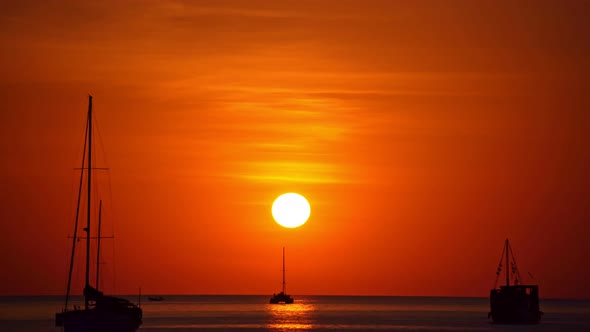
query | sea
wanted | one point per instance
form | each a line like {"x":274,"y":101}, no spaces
{"x":308,"y":313}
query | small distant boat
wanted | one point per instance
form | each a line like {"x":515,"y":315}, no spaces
{"x":516,"y":303}
{"x":156,"y":298}
{"x":282,"y":297}
{"x":100,"y":312}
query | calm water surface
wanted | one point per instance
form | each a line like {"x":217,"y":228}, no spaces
{"x":313,"y":313}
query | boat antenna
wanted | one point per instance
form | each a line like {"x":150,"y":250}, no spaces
{"x":87,"y":229}
{"x":284,"y":281}
{"x":98,"y":242}
{"x":74,"y":239}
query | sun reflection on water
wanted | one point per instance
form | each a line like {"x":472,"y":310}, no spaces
{"x":289,"y":317}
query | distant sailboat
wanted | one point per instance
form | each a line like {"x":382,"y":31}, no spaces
{"x":282,"y":297}
{"x":100,"y":313}
{"x":514,"y":304}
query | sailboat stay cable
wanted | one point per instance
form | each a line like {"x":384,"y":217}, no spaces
{"x":87,"y":278}
{"x":499,"y":267}
{"x":98,"y":244}
{"x":99,"y":143}
{"x":76,"y":222}
{"x":507,"y":249}
{"x":515,"y":270}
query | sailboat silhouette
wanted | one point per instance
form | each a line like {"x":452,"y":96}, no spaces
{"x":282,"y":297}
{"x":100,"y":312}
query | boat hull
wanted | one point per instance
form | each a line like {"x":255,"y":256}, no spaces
{"x":273,"y":301}
{"x":515,"y":305}
{"x":281,"y":298}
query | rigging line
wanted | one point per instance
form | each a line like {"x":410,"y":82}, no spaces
{"x":101,"y":144}
{"x":110,"y":195}
{"x":88,"y":221}
{"x":515,"y":265}
{"x":70,"y":217}
{"x":104,"y":164}
{"x":66,"y":264}
{"x":98,"y":190}
{"x":77,"y":215}
{"x":499,"y":267}
{"x":113,"y":219}
{"x":78,"y":268}
{"x":94,"y":213}
{"x":98,"y":245}
{"x":96,"y":156}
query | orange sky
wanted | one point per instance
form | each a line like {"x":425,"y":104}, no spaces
{"x":423,"y":134}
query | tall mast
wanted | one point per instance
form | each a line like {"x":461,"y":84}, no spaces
{"x":98,"y":242}
{"x":507,"y":263}
{"x":89,"y":191}
{"x":284,"y":282}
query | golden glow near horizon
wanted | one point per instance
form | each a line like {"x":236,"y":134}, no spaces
{"x":291,"y":210}
{"x":401,"y":122}
{"x":294,"y":316}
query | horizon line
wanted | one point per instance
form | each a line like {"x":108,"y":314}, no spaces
{"x":322,"y":295}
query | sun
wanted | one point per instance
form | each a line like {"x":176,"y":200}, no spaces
{"x":291,"y":210}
